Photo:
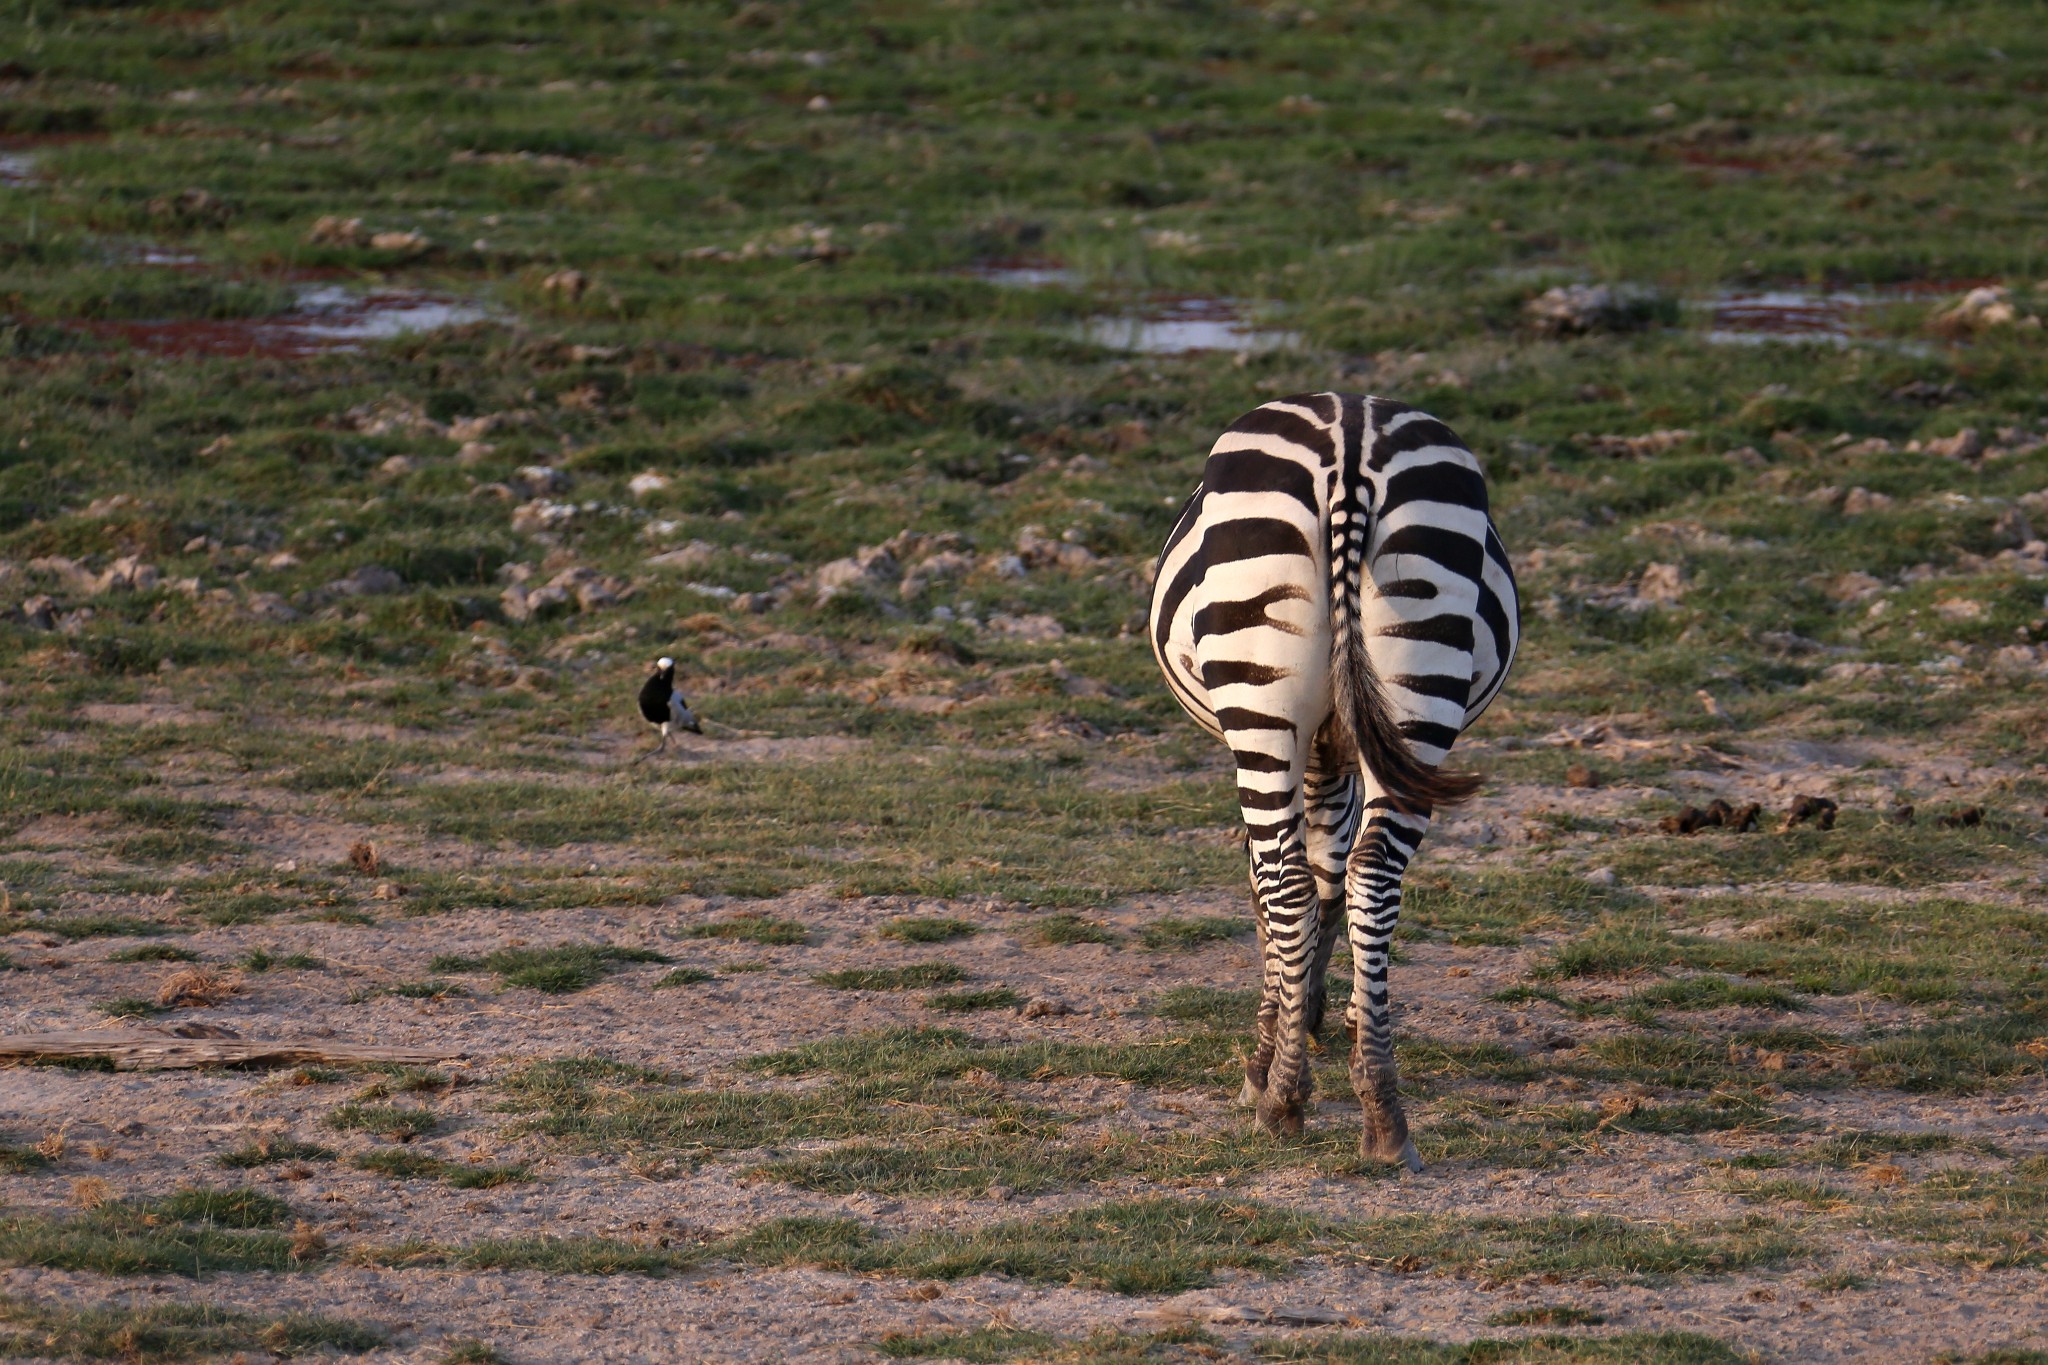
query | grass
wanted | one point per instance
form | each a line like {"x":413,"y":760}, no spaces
{"x":761,"y":929}
{"x":908,"y":761}
{"x":561,"y":970}
{"x":1067,"y":928}
{"x":193,"y":1232}
{"x":684,"y":976}
{"x":394,"y":1122}
{"x":171,"y":1332}
{"x":967,"y":1002}
{"x":927,"y":929}
{"x":1181,"y":934}
{"x":400,"y":1164}
{"x":917,"y":976}
{"x":1109,"y":1347}
{"x":1157,"y":1245}
{"x":267,"y":1151}
{"x":16,"y":1160}
{"x":153,"y":952}
{"x":262,"y":960}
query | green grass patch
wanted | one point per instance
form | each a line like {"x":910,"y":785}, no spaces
{"x":916,"y":929}
{"x":269,"y":1151}
{"x":967,"y":1002}
{"x":401,"y":1164}
{"x":153,"y":952}
{"x":171,"y":1332}
{"x":1176,"y":933}
{"x":684,"y":976}
{"x":915,"y":977}
{"x":762,"y":929}
{"x":559,"y":970}
{"x":394,"y":1122}
{"x":1067,"y":927}
{"x":192,"y":1232}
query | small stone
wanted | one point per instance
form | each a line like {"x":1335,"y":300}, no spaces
{"x":1661,"y":583}
{"x":40,"y":612}
{"x":409,"y":243}
{"x":1044,"y":1006}
{"x":1002,"y":1194}
{"x":387,"y":891}
{"x":1602,"y":876}
{"x":332,"y":229}
{"x":398,"y":466}
{"x":1966,"y":444}
{"x":1581,"y":776}
{"x":569,"y":284}
{"x":1900,"y":814}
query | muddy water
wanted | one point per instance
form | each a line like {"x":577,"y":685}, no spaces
{"x":1183,"y":326}
{"x":324,"y":318}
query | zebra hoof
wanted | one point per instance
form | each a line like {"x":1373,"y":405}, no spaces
{"x":1411,"y":1158}
{"x":1281,"y":1118}
{"x":1249,"y":1095}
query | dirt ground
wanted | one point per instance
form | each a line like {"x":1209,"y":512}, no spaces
{"x":146,"y":1134}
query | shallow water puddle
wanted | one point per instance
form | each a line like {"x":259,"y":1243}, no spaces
{"x":17,"y":169}
{"x":1025,"y":272}
{"x":1824,"y":317}
{"x":325,"y":318}
{"x":1183,"y":326}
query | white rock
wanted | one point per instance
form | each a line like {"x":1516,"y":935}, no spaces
{"x":646,"y":482}
{"x":1031,"y":629}
{"x":1661,"y":583}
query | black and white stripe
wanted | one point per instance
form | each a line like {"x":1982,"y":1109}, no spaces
{"x":1335,"y":605}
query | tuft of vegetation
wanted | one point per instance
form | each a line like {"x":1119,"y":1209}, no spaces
{"x":915,"y":977}
{"x":967,"y":1002}
{"x":555,"y":971}
{"x":1179,"y":933}
{"x":269,"y":1150}
{"x":390,"y":1121}
{"x":1066,"y":927}
{"x":762,"y":929}
{"x":401,"y":1164}
{"x":171,"y":1332}
{"x":928,"y":929}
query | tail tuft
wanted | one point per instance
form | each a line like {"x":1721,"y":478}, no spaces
{"x":1416,"y":787}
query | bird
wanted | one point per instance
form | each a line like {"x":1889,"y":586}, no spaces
{"x":662,"y":705}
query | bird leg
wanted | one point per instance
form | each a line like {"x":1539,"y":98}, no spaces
{"x":659,"y":746}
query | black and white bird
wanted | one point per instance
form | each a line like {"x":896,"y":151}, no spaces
{"x":662,"y":705}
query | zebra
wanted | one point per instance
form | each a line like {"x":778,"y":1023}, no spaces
{"x":1334,"y":604}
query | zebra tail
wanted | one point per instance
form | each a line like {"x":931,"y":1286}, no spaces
{"x":1415,"y":786}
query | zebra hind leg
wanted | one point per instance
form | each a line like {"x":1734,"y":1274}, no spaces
{"x":1265,"y":1025}
{"x":1331,"y":799}
{"x":1373,"y":889}
{"x":1292,"y":916}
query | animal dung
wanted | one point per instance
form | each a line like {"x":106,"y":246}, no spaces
{"x":1717,"y":815}
{"x":1969,"y":817}
{"x":1579,"y":775}
{"x":1817,"y":809}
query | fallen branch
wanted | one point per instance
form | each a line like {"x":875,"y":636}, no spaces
{"x":133,"y":1051}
